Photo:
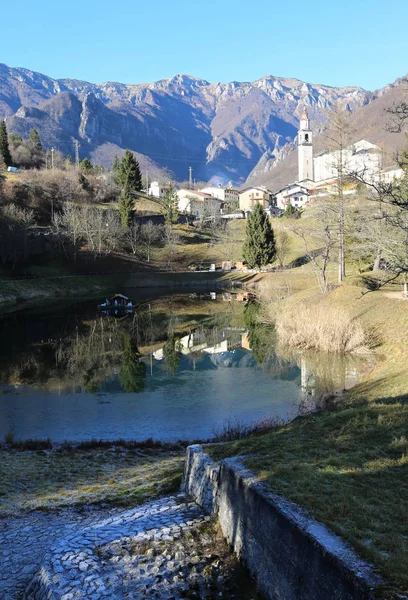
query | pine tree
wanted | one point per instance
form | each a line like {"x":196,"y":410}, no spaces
{"x":169,"y":205}
{"x":4,"y":145}
{"x":35,"y":141}
{"x":85,"y":166}
{"x":259,"y":247}
{"x":125,"y":206}
{"x":128,"y":173}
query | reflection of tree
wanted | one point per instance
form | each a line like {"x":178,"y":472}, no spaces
{"x":91,"y":382}
{"x":172,"y":354}
{"x":261,"y":338}
{"x":133,"y":372}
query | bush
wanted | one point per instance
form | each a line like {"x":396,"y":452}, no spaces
{"x":327,"y":328}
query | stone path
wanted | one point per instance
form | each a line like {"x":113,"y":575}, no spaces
{"x":72,"y":556}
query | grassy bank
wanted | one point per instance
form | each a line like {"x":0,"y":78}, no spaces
{"x":120,"y":475}
{"x":349,"y":466}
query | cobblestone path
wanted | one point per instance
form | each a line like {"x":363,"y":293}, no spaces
{"x":73,"y":556}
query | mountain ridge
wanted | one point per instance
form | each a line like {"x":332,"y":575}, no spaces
{"x":222,"y":130}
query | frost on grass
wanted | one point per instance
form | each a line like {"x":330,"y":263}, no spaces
{"x":117,"y":476}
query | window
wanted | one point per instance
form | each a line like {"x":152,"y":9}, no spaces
{"x":306,"y":137}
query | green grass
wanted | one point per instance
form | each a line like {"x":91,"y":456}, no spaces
{"x":34,"y":480}
{"x":349,"y":466}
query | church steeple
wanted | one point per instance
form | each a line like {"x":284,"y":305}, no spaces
{"x":305,"y":148}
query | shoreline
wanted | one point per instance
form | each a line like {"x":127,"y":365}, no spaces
{"x":17,"y":294}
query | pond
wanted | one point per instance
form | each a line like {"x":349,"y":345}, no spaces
{"x":179,"y":367}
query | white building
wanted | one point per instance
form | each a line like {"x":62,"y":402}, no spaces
{"x":362,"y":158}
{"x":198,"y":204}
{"x":223,"y":194}
{"x":156,"y":189}
{"x":296,"y":194}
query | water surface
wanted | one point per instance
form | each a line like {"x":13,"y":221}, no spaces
{"x":179,"y":367}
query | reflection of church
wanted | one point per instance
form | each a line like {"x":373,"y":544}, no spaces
{"x":307,"y":378}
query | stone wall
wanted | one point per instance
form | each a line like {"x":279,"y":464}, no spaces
{"x":290,"y":555}
{"x":200,"y":479}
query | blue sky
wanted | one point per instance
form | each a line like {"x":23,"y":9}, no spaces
{"x":360,"y":42}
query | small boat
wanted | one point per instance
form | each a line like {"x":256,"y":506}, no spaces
{"x":117,"y":303}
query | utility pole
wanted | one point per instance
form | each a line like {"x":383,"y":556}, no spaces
{"x":76,"y":144}
{"x":190,"y":178}
{"x":52,"y":158}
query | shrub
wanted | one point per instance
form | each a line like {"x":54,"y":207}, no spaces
{"x":327,"y":328}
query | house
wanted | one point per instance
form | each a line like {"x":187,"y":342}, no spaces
{"x":296,"y":194}
{"x":251,"y":196}
{"x":198,"y":204}
{"x":156,"y":189}
{"x":227,"y":195}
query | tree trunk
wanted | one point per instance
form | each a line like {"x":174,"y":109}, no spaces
{"x":377,"y":261}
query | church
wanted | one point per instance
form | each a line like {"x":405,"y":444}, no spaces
{"x":321,"y":171}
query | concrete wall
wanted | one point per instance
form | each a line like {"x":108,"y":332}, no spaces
{"x":200,"y":479}
{"x":290,"y":555}
{"x":205,"y":279}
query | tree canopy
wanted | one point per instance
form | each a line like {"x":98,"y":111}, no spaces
{"x":35,"y":141}
{"x":86,"y":166}
{"x":169,"y":203}
{"x":4,"y":145}
{"x":128,"y":172}
{"x":259,"y":247}
{"x":125,"y":206}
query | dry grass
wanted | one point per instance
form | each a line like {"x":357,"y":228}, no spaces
{"x":305,"y":326}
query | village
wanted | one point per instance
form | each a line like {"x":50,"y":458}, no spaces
{"x":317,"y":179}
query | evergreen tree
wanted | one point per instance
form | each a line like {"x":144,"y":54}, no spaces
{"x":4,"y":145}
{"x":34,"y":141}
{"x":132,"y":374}
{"x":128,"y":173}
{"x":85,"y":166}
{"x":125,"y":206}
{"x":291,"y":212}
{"x":169,"y":203}
{"x":259,"y":247}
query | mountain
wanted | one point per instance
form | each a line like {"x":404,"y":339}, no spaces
{"x":222,"y":130}
{"x":369,"y":122}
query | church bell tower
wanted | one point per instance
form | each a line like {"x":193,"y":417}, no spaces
{"x":305,"y":148}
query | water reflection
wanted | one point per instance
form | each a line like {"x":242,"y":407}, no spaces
{"x":175,"y":369}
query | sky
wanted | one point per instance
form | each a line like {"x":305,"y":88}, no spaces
{"x":356,"y":42}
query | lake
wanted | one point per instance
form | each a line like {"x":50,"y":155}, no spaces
{"x":180,"y":367}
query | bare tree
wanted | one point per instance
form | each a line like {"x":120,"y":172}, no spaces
{"x":282,"y":246}
{"x":226,"y":240}
{"x":133,"y":237}
{"x":325,"y":216}
{"x":150,"y":234}
{"x":170,"y":239}
{"x":98,"y":229}
{"x":338,"y":134}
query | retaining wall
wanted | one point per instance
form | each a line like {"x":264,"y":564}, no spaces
{"x":290,"y":555}
{"x":205,"y":279}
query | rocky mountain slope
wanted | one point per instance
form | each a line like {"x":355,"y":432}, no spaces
{"x":222,"y":130}
{"x":370,"y":122}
